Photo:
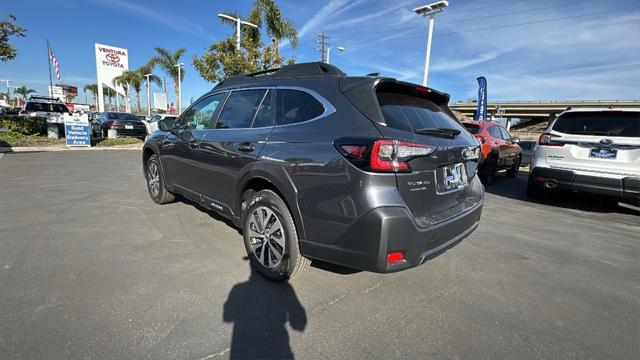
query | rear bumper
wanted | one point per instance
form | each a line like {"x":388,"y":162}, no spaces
{"x":627,"y":188}
{"x":390,"y":229}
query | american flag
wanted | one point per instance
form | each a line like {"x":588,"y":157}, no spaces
{"x":55,"y":64}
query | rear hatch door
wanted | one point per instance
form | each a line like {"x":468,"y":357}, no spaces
{"x":439,"y":185}
{"x":597,"y":141}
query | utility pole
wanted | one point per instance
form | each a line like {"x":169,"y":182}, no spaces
{"x":322,"y":39}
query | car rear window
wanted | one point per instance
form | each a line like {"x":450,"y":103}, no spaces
{"x":46,"y":107}
{"x":472,"y":128}
{"x":122,"y":116}
{"x":410,"y":113}
{"x":605,"y":123}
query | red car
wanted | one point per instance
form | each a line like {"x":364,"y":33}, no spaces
{"x":500,"y":150}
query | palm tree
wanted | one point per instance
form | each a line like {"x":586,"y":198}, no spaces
{"x":109,"y":93}
{"x":124,"y":80}
{"x":23,"y":91}
{"x":139,"y":79}
{"x":167,"y":61}
{"x":93,"y":89}
{"x":278,"y":27}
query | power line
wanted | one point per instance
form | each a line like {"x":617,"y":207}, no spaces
{"x":533,"y":22}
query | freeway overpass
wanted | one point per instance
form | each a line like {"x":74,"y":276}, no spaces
{"x":537,"y":110}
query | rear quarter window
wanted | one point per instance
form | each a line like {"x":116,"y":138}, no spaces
{"x":472,"y":128}
{"x":295,"y":106}
{"x":410,"y":113}
{"x":605,"y":123}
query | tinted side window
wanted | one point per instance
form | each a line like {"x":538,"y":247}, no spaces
{"x":472,"y":128}
{"x":199,"y":116}
{"x":294,"y":106}
{"x":263,"y":117}
{"x":239,"y":109}
{"x":505,"y":133}
{"x":493,"y":131}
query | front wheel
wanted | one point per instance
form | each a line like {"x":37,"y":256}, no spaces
{"x":270,"y":238}
{"x":155,"y":183}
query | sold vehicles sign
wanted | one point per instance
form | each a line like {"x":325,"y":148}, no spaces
{"x":110,"y":62}
{"x":77,"y":130}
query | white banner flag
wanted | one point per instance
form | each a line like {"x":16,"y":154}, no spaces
{"x":159,"y":100}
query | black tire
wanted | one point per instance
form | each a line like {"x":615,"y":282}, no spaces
{"x":512,"y":172}
{"x":534,"y":191}
{"x":159,"y":195}
{"x":291,"y":263}
{"x":489,"y":172}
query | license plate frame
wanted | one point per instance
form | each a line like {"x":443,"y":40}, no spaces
{"x":603,"y":153}
{"x":451,"y":177}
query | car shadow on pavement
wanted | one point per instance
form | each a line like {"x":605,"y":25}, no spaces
{"x":516,"y":188}
{"x":259,"y":310}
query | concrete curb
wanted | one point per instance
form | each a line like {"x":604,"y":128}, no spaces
{"x":64,"y":148}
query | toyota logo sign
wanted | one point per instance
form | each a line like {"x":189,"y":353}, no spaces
{"x":113,"y":58}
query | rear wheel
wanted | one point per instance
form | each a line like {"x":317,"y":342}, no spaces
{"x":270,"y":238}
{"x":514,"y":169}
{"x":534,"y":191}
{"x":155,"y":183}
{"x":489,"y":171}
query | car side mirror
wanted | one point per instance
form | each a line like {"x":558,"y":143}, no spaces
{"x":166,"y":124}
{"x":515,"y":140}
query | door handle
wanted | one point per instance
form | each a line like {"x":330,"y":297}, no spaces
{"x":246,"y":147}
{"x":193,"y":144}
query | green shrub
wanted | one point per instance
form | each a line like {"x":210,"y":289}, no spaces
{"x":27,"y":125}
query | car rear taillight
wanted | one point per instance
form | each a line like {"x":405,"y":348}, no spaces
{"x":546,"y":139}
{"x":385,"y":155}
{"x":110,"y":124}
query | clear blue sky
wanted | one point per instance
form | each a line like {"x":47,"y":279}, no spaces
{"x":528,"y":50}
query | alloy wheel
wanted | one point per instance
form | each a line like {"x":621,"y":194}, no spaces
{"x":266,"y":237}
{"x":153,"y":179}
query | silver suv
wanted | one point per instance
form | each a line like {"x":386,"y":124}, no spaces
{"x":50,"y":108}
{"x":589,"y":150}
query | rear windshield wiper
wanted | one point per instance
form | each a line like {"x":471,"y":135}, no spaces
{"x":440,"y":132}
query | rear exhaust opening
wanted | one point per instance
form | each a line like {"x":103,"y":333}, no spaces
{"x":550,"y":184}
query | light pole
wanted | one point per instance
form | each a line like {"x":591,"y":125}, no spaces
{"x":148,"y":100}
{"x":340,"y":48}
{"x":9,"y":87}
{"x":179,"y":66}
{"x":430,"y":10}
{"x":238,"y":23}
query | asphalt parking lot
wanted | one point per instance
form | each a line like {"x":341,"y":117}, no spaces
{"x":91,"y":268}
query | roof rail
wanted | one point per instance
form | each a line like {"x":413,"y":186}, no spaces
{"x":315,"y":69}
{"x":40,"y":97}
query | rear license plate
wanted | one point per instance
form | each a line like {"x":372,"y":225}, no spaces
{"x":598,"y":153}
{"x":451,"y":177}
{"x":128,"y":127}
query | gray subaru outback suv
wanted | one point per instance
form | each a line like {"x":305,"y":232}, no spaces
{"x":365,"y":172}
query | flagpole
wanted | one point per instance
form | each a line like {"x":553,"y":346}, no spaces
{"x":49,"y":61}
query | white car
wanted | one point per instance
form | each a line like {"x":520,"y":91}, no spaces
{"x":152,"y":123}
{"x":589,"y":150}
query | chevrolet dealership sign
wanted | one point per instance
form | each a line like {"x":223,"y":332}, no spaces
{"x":110,"y":62}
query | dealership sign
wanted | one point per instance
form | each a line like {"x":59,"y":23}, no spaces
{"x":110,"y":62}
{"x":77,"y":130}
